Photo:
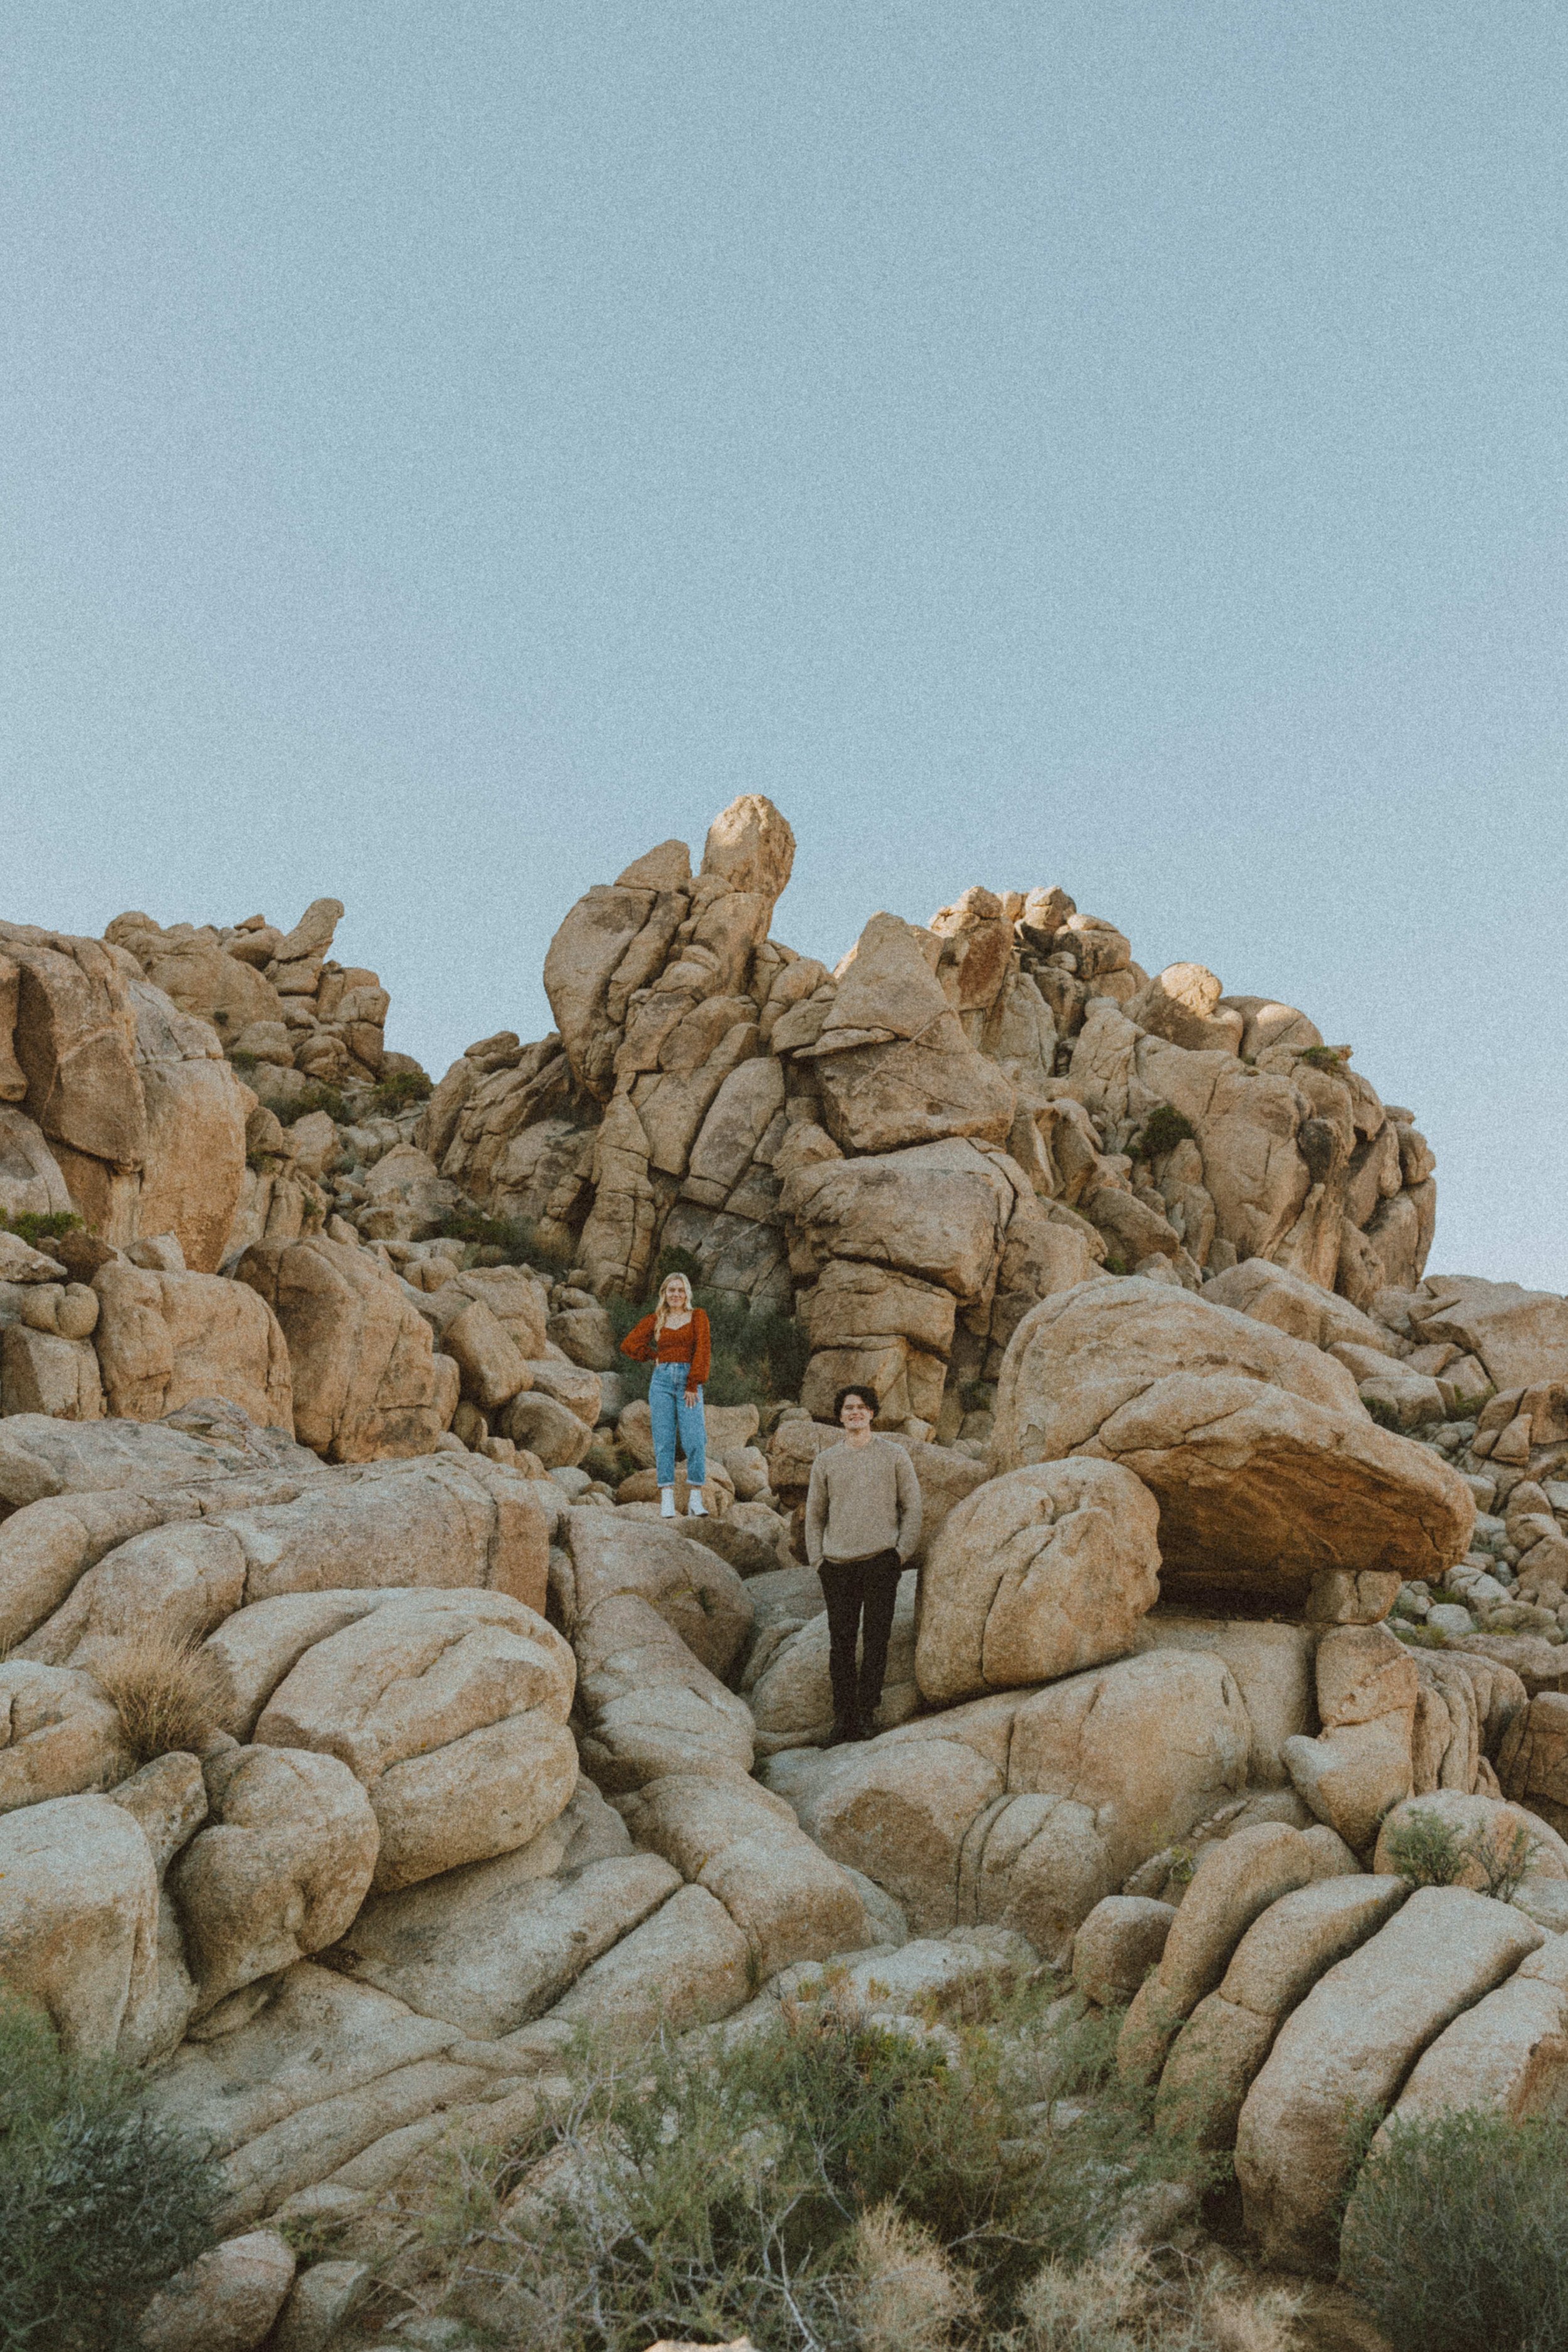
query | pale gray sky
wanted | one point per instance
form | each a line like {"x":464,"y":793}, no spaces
{"x":447,"y":448}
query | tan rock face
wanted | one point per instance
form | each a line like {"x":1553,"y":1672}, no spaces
{"x":365,"y":1385}
{"x":1268,"y":1471}
{"x":1037,"y":1574}
{"x":450,"y":1709}
{"x":686,"y":1965}
{"x":938,"y":1211}
{"x":41,"y":1373}
{"x":1507,"y":2055}
{"x":1117,"y":1946}
{"x":31,"y":1183}
{"x":1521,"y":1336}
{"x":280,"y":1870}
{"x":75,"y":1042}
{"x":1025,"y":1811}
{"x":58,"y":1735}
{"x":1236,"y":1881}
{"x":226,"y":2300}
{"x":79,"y":1916}
{"x":1272,"y":1294}
{"x":1499,"y":1838}
{"x":1347,"y":2049}
{"x":194,"y":1169}
{"x":789,"y":1900}
{"x":893,"y":1063}
{"x":1363,"y":1764}
{"x":1273,"y":1668}
{"x":493,"y":1949}
{"x":1225,"y":2041}
{"x":163,"y":1339}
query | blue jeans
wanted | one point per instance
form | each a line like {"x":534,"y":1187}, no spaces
{"x":666,"y":1403}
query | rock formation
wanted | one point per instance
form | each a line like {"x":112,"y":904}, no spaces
{"x":1245,"y":1539}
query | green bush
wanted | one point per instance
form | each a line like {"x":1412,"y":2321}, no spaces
{"x":776,"y":2187}
{"x":100,"y":2202}
{"x":1323,"y":1057}
{"x":315,"y":1098}
{"x":511,"y":1241}
{"x":399,"y":1092}
{"x":1429,"y":1852}
{"x":1457,"y":2235}
{"x":1165,"y":1127}
{"x":33,"y":1228}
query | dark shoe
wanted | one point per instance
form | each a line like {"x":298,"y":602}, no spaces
{"x":863,"y":1729}
{"x":843,"y":1731}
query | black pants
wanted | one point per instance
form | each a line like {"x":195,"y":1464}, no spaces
{"x":850,"y":1586}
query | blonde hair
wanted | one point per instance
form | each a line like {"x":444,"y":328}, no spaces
{"x":662,"y":1312}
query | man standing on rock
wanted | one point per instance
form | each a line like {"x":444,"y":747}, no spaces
{"x":862,"y":1523}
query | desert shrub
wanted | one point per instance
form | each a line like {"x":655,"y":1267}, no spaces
{"x":1457,"y":2237}
{"x":399,"y":1092}
{"x":168,"y":1692}
{"x":100,"y":2202}
{"x":315,"y":1098}
{"x":828,"y":2184}
{"x":1429,"y":1852}
{"x":608,"y":1464}
{"x":1322,"y":1057}
{"x":1165,"y":1127}
{"x":240,"y":1060}
{"x":506,"y":1240}
{"x":33,"y":1227}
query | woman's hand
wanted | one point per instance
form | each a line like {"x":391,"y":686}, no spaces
{"x":693,"y":1396}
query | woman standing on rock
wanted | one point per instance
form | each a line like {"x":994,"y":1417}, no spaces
{"x":675,"y":1339}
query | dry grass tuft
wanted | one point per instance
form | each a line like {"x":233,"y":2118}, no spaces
{"x":910,"y":2296}
{"x":168,"y":1693}
{"x":1124,"y":2303}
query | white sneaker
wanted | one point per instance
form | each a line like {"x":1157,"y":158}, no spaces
{"x":696,"y":1509}
{"x":666,"y":1501}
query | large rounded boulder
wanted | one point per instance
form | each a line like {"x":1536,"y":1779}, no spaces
{"x":1268,"y":1471}
{"x":1036,"y":1574}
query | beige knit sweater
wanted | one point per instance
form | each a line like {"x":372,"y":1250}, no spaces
{"x":862,"y":1499}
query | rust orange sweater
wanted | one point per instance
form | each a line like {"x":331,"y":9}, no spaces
{"x":691,"y":1345}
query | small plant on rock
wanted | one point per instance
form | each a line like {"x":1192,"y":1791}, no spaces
{"x":1165,"y":1127}
{"x":168,"y":1692}
{"x":316,"y":1098}
{"x":35,"y":1228}
{"x":1331,"y":1058}
{"x":399,"y":1092}
{"x":101,"y":2202}
{"x":1429,"y":1852}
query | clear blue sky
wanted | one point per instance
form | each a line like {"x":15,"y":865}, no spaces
{"x":447,"y":448}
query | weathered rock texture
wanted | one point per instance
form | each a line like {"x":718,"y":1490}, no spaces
{"x":488,"y":1751}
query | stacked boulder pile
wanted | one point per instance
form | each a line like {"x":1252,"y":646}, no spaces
{"x":1243,"y":1537}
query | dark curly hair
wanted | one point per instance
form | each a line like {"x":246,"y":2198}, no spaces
{"x":867,"y":1396}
